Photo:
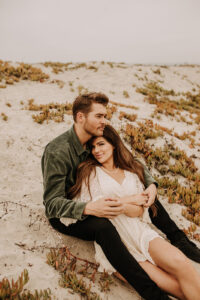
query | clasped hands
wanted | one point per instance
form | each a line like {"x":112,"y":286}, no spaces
{"x":130,"y":205}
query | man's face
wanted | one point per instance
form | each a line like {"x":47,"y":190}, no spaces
{"x":95,"y":120}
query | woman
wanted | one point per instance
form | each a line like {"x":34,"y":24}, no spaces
{"x":113,"y":172}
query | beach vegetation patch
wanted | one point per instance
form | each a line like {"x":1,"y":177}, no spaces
{"x":126,"y":94}
{"x":10,"y":74}
{"x":60,"y":83}
{"x":111,"y":109}
{"x":155,"y":94}
{"x":157,"y":71}
{"x":14,"y":290}
{"x":123,"y":105}
{"x":152,"y":88}
{"x":161,"y":159}
{"x":82,"y":90}
{"x":130,"y":117}
{"x":4,"y":117}
{"x":52,"y":111}
{"x":78,"y":274}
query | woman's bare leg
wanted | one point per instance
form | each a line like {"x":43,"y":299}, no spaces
{"x":174,"y":262}
{"x":119,"y":276}
{"x":164,"y":280}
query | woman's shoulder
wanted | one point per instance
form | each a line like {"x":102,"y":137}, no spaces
{"x":97,"y":169}
{"x":130,"y":174}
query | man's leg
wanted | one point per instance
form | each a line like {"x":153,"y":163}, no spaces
{"x":105,"y":234}
{"x":177,"y":237}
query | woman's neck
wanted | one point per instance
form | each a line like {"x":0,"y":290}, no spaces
{"x":109,"y":166}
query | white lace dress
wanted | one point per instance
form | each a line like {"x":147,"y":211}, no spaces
{"x":136,"y":233}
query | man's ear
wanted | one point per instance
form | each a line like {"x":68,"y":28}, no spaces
{"x":80,"y":117}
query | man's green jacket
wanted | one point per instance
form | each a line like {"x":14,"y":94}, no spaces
{"x":60,"y":160}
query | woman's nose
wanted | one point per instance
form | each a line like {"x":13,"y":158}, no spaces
{"x":95,"y":150}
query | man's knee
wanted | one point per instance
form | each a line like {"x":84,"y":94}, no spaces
{"x":103,"y":225}
{"x":105,"y":231}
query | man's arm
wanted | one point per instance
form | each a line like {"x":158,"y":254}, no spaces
{"x":147,"y":176}
{"x":150,"y":185}
{"x":55,"y":168}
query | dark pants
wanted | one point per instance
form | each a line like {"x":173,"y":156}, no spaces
{"x":163,"y":222}
{"x":105,"y":234}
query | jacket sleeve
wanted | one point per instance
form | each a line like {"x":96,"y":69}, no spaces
{"x":55,"y":169}
{"x":147,"y":176}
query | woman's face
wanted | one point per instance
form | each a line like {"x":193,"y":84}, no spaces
{"x":102,"y":150}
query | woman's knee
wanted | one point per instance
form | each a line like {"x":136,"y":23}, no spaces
{"x":180,"y":262}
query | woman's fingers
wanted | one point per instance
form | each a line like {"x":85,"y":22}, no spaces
{"x":142,"y":199}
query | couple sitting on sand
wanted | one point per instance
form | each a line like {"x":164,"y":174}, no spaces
{"x":95,"y":190}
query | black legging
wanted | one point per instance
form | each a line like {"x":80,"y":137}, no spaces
{"x":105,"y":234}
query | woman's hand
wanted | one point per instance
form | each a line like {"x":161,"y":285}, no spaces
{"x":151,"y":192}
{"x":133,"y":211}
{"x":137,"y":199}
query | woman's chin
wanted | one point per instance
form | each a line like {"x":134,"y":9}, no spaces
{"x":100,"y":161}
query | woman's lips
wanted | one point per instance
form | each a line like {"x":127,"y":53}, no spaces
{"x":98,"y":155}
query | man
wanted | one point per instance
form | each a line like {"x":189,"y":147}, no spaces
{"x":59,"y":163}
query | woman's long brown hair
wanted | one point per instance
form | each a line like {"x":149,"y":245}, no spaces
{"x":122,"y":157}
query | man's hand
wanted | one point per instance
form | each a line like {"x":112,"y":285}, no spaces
{"x":104,"y":208}
{"x":151,"y":192}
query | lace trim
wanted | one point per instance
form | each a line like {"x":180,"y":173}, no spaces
{"x":145,"y":240}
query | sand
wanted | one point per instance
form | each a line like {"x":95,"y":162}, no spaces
{"x":26,"y":236}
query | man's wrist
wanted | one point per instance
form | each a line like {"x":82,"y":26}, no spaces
{"x":87,"y":210}
{"x":154,"y":183}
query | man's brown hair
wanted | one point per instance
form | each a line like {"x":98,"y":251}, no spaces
{"x":84,"y":102}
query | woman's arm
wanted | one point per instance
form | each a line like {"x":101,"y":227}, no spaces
{"x":133,"y":204}
{"x":131,"y":210}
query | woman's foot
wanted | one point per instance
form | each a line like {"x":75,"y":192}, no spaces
{"x":119,"y":276}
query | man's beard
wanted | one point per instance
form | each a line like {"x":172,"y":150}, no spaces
{"x":93,"y":132}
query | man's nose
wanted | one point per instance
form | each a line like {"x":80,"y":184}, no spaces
{"x":104,"y":120}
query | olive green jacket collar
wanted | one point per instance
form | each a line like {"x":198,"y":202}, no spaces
{"x":78,"y":147}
